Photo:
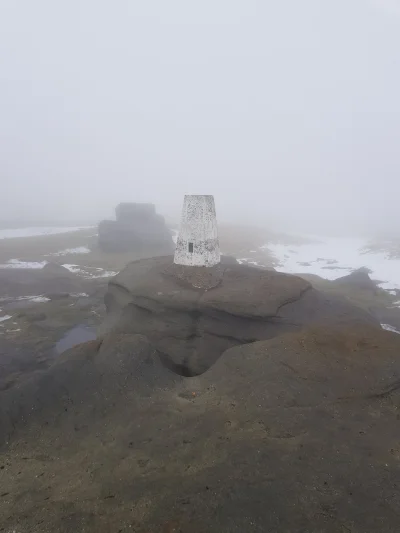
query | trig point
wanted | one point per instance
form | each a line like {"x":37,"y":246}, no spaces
{"x":197,"y":243}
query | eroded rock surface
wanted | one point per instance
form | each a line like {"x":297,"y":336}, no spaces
{"x":297,"y":433}
{"x":192,"y":314}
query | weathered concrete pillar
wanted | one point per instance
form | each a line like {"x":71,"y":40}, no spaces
{"x":197,"y":243}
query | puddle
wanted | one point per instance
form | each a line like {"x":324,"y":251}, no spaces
{"x":75,"y":336}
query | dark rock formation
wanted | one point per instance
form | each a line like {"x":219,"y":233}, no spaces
{"x":192,"y":314}
{"x":298,"y":433}
{"x":358,"y":279}
{"x":137,"y":228}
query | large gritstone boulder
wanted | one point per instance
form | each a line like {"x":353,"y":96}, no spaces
{"x":299,"y":433}
{"x":192,"y":314}
{"x":137,"y":228}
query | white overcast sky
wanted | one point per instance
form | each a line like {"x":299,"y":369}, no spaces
{"x":288,"y":111}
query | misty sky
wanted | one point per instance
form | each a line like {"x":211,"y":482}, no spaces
{"x":288,"y":111}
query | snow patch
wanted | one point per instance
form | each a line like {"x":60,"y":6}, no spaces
{"x":90,"y":272}
{"x":17,"y":263}
{"x":388,"y":327}
{"x":67,"y":251}
{"x":85,"y":271}
{"x":334,"y":258}
{"x":72,"y":268}
{"x":36,"y":299}
{"x":38,"y":231}
{"x":247,"y":261}
{"x":5,"y":317}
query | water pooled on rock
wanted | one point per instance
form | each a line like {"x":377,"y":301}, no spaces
{"x":75,"y":336}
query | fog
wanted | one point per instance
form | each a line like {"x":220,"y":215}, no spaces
{"x":287,"y":111}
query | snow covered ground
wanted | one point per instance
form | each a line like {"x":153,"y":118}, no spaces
{"x":333,"y":258}
{"x":37,"y":231}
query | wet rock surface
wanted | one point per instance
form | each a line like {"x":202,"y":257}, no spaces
{"x":75,"y":336}
{"x":36,"y":324}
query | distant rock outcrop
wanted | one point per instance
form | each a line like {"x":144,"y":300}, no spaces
{"x":137,"y":228}
{"x":359,"y":279}
{"x":193,"y":314}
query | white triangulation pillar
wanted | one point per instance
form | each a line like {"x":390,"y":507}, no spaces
{"x":197,"y":243}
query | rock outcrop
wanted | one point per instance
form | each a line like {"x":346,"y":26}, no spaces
{"x":358,"y":279}
{"x":52,"y":278}
{"x":192,"y":314}
{"x":137,"y":228}
{"x":107,"y":439}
